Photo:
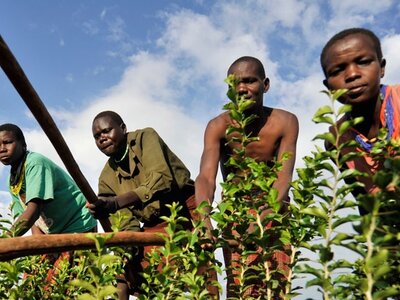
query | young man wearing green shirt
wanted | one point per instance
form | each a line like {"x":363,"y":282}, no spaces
{"x":45,"y":198}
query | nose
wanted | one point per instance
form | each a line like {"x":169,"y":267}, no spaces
{"x":352,"y":72}
{"x":2,"y":148}
{"x":102,"y":138}
{"x":241,"y":88}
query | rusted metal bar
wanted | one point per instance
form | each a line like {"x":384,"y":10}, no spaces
{"x":14,"y":72}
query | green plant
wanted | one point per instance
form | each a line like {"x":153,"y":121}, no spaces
{"x":328,"y":185}
{"x":99,"y":269}
{"x":178,"y":270}
{"x":84,"y":275}
{"x":250,"y":214}
{"x":318,"y":211}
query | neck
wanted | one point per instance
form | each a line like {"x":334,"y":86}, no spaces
{"x":371,"y":113}
{"x":122,"y":154}
{"x":260,"y":120}
{"x":18,"y":162}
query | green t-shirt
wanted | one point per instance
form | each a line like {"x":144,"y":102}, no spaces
{"x":64,"y":208}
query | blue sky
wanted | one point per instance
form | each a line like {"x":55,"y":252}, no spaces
{"x":162,"y":64}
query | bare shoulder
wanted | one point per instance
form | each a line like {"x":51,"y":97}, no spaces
{"x":284,"y":119}
{"x":283,"y":114}
{"x":219,"y":124}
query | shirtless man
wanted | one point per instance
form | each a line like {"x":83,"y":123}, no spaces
{"x":276,"y":129}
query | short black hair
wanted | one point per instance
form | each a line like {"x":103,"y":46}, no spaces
{"x":111,"y":114}
{"x":261,"y":71}
{"x":347,"y":32}
{"x":17,"y":132}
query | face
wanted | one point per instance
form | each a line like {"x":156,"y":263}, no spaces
{"x":250,"y":84}
{"x":11,"y":150}
{"x":109,"y":136}
{"x":352,"y":64}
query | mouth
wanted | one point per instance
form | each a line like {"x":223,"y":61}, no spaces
{"x":4,"y":159}
{"x":108,"y":149}
{"x":105,"y":146}
{"x":355,"y":91}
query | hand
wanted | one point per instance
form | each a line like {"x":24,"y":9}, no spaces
{"x":103,"y":207}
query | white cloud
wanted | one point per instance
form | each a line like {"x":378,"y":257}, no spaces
{"x":358,"y":7}
{"x":195,"y":41}
{"x":90,"y":27}
{"x":5,"y":200}
{"x":390,"y":48}
{"x":116,"y":28}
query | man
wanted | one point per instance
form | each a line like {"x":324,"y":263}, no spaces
{"x":141,"y":176}
{"x":276,"y":129}
{"x":45,"y":198}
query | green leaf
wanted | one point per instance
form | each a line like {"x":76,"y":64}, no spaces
{"x":107,"y":291}
{"x":338,"y":93}
{"x":86,"y":297}
{"x":243,"y":105}
{"x":326,"y":109}
{"x":344,"y":109}
{"x":315,"y":211}
{"x":379,"y":259}
{"x":341,"y":236}
{"x":324,"y":120}
{"x":235,"y":115}
{"x":344,"y":127}
{"x":83,"y":284}
{"x":327,"y":136}
{"x":386,"y":293}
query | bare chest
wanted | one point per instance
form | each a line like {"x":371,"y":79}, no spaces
{"x":261,"y":150}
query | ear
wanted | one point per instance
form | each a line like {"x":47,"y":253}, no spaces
{"x":325,"y":82}
{"x":123,"y":126}
{"x":266,"y":84}
{"x":383,"y":65}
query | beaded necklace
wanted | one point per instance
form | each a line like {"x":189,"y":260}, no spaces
{"x":367,"y":144}
{"x":16,"y":188}
{"x":123,"y":156}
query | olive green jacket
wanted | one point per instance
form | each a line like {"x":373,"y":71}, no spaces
{"x":156,"y":175}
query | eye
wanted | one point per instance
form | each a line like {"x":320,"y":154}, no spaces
{"x":251,"y":80}
{"x":364,"y":61}
{"x":334,"y":72}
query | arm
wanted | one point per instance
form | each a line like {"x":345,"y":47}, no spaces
{"x":26,"y":220}
{"x":287,"y":145}
{"x":106,"y":205}
{"x":36,"y":230}
{"x":205,"y":182}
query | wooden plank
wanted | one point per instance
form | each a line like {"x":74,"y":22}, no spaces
{"x":11,"y":248}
